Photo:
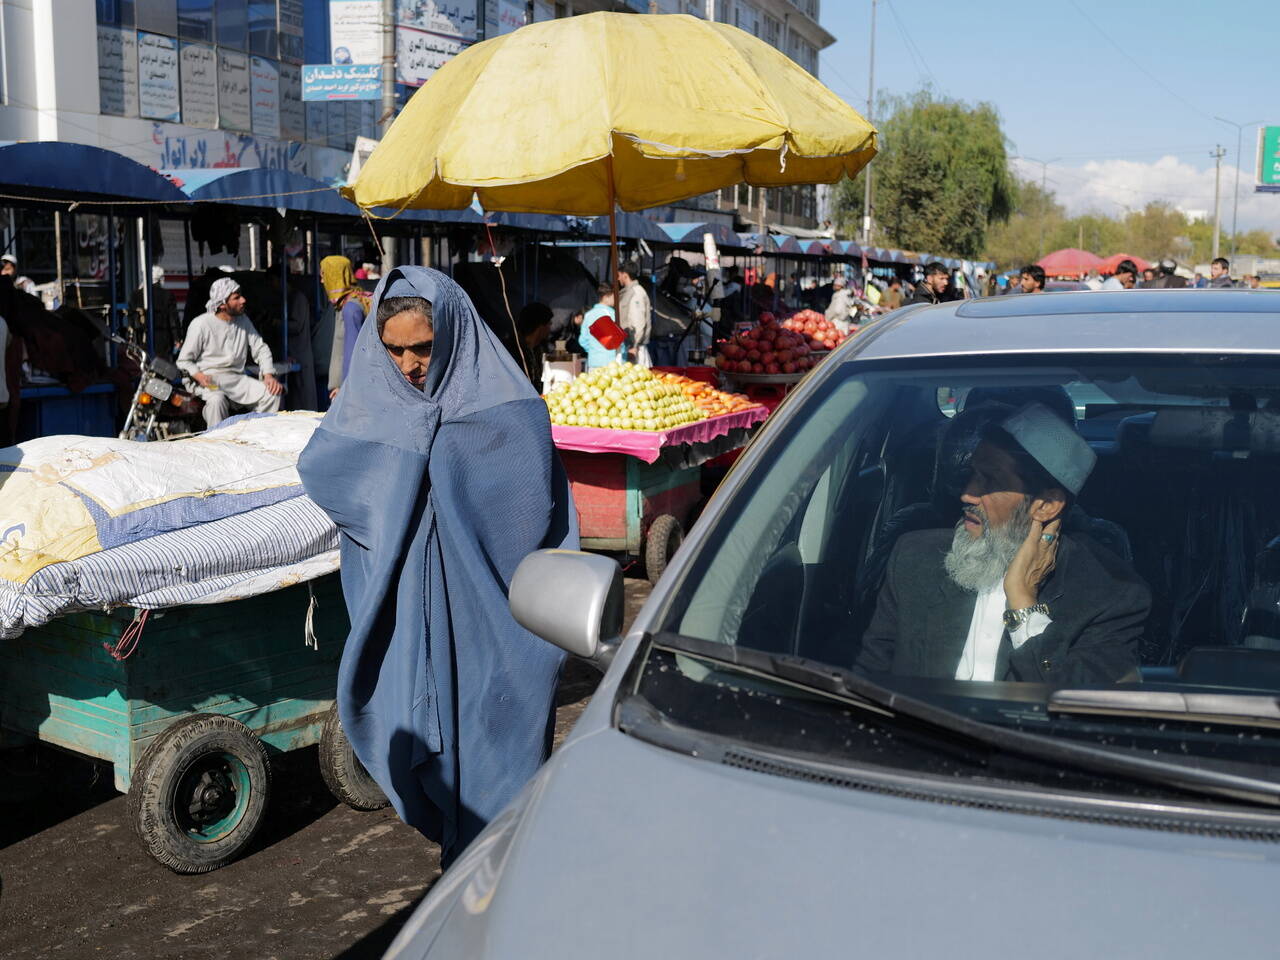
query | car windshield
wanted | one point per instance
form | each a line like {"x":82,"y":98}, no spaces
{"x":1076,"y":545}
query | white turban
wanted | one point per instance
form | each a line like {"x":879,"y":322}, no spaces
{"x":222,"y":288}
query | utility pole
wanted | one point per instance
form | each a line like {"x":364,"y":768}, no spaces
{"x":1044,"y":192}
{"x":388,"y":105}
{"x":1217,"y":195}
{"x":1235,"y":200}
{"x":871,"y":94}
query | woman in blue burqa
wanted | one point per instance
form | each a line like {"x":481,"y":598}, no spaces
{"x":436,"y":464}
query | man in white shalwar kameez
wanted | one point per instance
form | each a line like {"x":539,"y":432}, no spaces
{"x":218,"y":343}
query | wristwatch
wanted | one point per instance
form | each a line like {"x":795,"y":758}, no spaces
{"x":1016,"y":618}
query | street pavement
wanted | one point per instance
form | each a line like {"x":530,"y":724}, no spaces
{"x":322,"y":881}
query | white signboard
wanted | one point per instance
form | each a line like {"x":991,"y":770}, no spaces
{"x":453,"y":18}
{"x":199,"y":71}
{"x":420,"y":54}
{"x":118,"y":72}
{"x":265,"y":79}
{"x":158,"y":77}
{"x":293,"y":116}
{"x":234,"y":111}
{"x":355,"y":31}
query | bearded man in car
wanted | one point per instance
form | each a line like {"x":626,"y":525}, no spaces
{"x":1005,"y":596}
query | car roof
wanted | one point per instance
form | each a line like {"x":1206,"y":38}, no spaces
{"x":1086,"y":321}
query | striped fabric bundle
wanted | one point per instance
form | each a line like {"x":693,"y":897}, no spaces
{"x":94,"y":523}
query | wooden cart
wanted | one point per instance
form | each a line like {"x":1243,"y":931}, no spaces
{"x":189,"y":717}
{"x":639,"y":509}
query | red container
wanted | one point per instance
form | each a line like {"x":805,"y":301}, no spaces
{"x":610,"y":335}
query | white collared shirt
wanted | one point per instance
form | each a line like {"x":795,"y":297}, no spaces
{"x":986,"y":630}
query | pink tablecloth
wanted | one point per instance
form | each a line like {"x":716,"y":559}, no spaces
{"x":646,"y":444}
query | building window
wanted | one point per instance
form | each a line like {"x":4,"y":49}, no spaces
{"x":115,"y":13}
{"x":772,"y":30}
{"x":157,"y":16}
{"x":195,"y":20}
{"x":233,"y":23}
{"x":262,"y":28}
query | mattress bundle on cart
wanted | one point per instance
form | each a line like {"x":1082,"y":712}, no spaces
{"x":94,"y":523}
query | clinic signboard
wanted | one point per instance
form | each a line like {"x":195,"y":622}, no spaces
{"x":352,"y":81}
{"x":1268,"y":179}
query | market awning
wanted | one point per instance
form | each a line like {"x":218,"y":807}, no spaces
{"x":785,"y":243}
{"x":77,"y":170}
{"x":631,"y":226}
{"x":263,"y":187}
{"x":759,"y":242}
{"x":692,"y":233}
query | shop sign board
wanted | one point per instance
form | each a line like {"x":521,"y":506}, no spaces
{"x":351,"y":81}
{"x":118,"y":71}
{"x":158,"y":77}
{"x":199,"y":73}
{"x":355,"y":31}
{"x":265,"y":110}
{"x":234,"y":100}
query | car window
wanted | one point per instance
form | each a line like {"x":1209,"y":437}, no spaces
{"x":848,"y":545}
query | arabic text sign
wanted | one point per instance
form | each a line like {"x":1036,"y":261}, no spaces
{"x":264,"y":79}
{"x":352,"y":81}
{"x":118,"y":71}
{"x":419,"y":54}
{"x":355,"y":31}
{"x":1269,"y":157}
{"x":199,"y":72}
{"x":158,"y":77}
{"x":453,"y":18}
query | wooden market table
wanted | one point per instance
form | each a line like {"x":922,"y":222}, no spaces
{"x":637,"y":490}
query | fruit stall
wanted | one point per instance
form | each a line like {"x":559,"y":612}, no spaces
{"x":765,"y":361}
{"x":633,"y":442}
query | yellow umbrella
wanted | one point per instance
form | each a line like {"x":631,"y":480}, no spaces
{"x":574,"y":115}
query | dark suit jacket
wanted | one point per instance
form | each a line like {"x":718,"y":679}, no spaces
{"x":1097,"y":603}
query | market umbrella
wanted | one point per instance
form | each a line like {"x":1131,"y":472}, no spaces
{"x":577,"y":115}
{"x":1109,"y":264}
{"x":1070,"y":262}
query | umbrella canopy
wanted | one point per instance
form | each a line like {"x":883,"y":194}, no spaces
{"x":1109,"y":264}
{"x":1070,"y":262}
{"x":569,"y":115}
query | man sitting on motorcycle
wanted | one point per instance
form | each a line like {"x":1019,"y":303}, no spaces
{"x":218,"y":343}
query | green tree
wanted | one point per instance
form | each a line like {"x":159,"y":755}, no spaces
{"x":940,"y":180}
{"x":1037,"y":222}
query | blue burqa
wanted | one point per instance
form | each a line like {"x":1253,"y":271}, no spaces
{"x":439,"y":493}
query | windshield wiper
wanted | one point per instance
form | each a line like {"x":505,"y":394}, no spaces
{"x":1229,"y":708}
{"x":1193,"y":775}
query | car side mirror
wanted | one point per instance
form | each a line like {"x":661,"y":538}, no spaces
{"x":571,"y":599}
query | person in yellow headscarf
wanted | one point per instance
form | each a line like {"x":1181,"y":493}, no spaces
{"x":351,"y":306}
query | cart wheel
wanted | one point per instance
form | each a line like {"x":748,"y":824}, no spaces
{"x":343,"y":773}
{"x":664,"y":538}
{"x":199,"y":793}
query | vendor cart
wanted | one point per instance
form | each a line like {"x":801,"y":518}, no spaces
{"x":637,"y":491}
{"x":188,"y":704}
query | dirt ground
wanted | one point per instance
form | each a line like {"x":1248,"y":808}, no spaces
{"x":322,"y":881}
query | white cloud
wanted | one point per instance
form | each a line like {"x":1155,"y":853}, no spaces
{"x":1110,"y":187}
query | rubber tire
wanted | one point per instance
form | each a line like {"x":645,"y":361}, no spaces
{"x":343,"y":773}
{"x":156,"y":777}
{"x":660,"y":544}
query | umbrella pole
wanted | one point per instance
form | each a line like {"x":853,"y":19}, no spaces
{"x":613,"y":244}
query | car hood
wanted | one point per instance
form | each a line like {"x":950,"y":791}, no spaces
{"x":622,"y":849}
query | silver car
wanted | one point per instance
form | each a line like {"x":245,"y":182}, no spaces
{"x":750,"y":781}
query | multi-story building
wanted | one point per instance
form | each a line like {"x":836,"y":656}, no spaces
{"x":178,"y":84}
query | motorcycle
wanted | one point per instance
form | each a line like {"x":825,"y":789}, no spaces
{"x":164,"y":404}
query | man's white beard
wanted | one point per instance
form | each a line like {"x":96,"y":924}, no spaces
{"x":978,"y":564}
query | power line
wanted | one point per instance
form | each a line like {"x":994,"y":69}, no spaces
{"x":916,"y":55}
{"x":1149,"y":75}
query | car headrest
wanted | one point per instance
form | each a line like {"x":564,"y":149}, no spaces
{"x":1055,"y":398}
{"x":1216,"y":428}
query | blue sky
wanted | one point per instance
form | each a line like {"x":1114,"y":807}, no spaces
{"x":1122,"y":99}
